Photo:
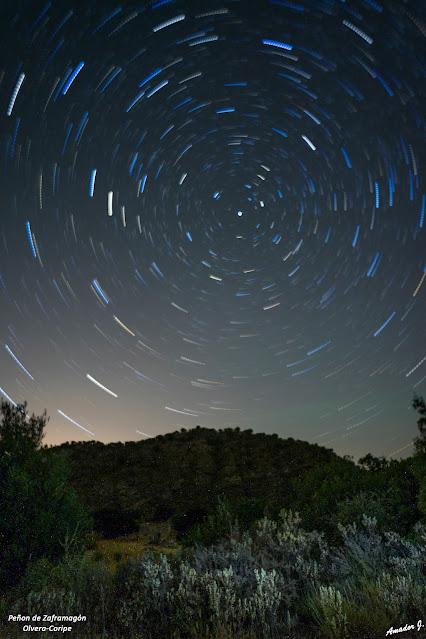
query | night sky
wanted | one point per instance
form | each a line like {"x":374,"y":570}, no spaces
{"x":214,"y":213}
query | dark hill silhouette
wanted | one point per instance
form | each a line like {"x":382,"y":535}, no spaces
{"x":182,"y":475}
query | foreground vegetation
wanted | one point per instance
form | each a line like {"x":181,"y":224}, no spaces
{"x":277,"y":580}
{"x":226,"y":556}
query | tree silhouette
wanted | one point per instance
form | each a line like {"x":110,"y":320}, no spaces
{"x":38,"y":509}
{"x":420,"y":406}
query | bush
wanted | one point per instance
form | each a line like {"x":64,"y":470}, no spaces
{"x":183,"y":522}
{"x":366,"y":552}
{"x":144,"y":597}
{"x":377,"y":581}
{"x":74,"y":586}
{"x":217,"y":525}
{"x":328,"y":611}
{"x":276,"y":581}
{"x":37,"y":577}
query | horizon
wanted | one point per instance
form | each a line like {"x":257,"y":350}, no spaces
{"x":407,"y":451}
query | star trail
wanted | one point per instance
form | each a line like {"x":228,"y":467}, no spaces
{"x":213,"y":213}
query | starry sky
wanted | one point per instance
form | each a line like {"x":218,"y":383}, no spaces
{"x":213,"y":213}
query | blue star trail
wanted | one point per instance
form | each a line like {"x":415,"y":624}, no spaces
{"x":228,"y":197}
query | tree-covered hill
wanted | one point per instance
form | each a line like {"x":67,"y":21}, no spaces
{"x":181,"y":476}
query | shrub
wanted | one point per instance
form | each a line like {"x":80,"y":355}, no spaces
{"x":144,"y":597}
{"x":327,"y":608}
{"x":72,"y":587}
{"x":276,"y":581}
{"x":377,"y":581}
{"x":216,"y":526}
{"x":366,"y":552}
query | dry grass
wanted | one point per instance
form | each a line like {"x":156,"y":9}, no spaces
{"x":156,"y":538}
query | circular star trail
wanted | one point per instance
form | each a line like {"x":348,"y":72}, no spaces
{"x":214,"y":213}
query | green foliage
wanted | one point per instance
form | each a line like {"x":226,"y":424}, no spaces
{"x":39,"y":511}
{"x":342,"y":491}
{"x":353,"y":508}
{"x":388,"y":492}
{"x":419,"y":460}
{"x":327,"y":608}
{"x":320,"y":489}
{"x":418,"y":464}
{"x":216,"y":525}
{"x":37,"y":576}
{"x":73,"y":586}
{"x":420,"y":406}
